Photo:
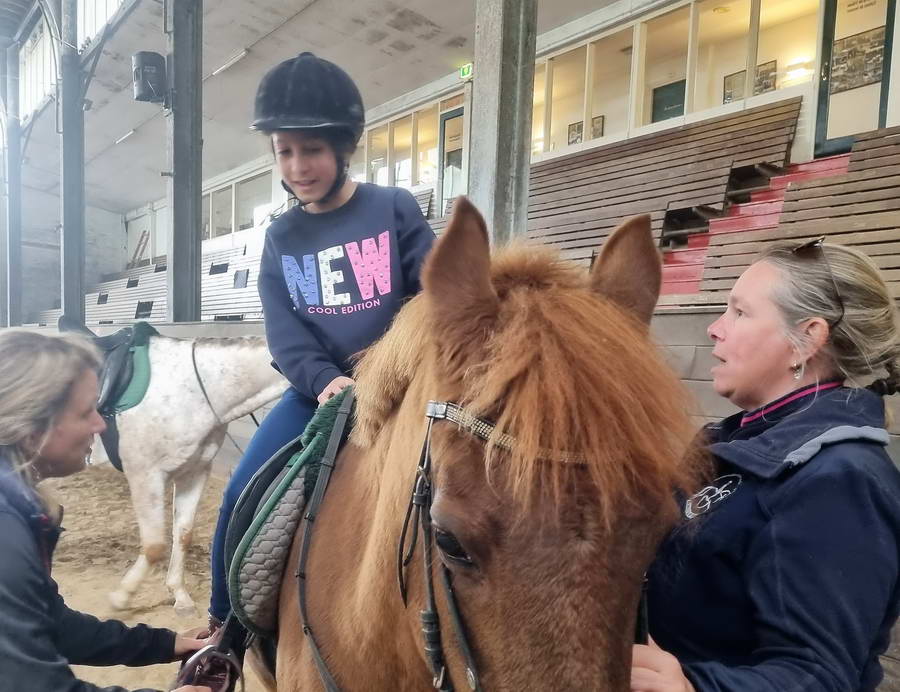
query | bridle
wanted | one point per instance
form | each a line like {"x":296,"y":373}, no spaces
{"x":418,"y":516}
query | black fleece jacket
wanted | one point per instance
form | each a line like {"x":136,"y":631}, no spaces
{"x":39,"y":635}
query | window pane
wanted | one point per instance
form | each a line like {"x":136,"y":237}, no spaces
{"x":567,"y":100}
{"x":537,"y":117}
{"x":221,"y":212}
{"x":721,"y":52}
{"x":611,"y":87}
{"x":427,"y":146}
{"x":377,"y":163}
{"x":666,"y":66}
{"x":857,"y":67}
{"x":254,"y":201}
{"x":162,"y":231}
{"x":454,"y":183}
{"x":401,"y":132}
{"x":357,"y":170}
{"x":204,"y":216}
{"x":452,"y":102}
{"x":787,"y":44}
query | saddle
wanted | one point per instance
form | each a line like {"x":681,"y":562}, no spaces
{"x":268,"y":512}
{"x":118,"y":366}
{"x":116,"y":375}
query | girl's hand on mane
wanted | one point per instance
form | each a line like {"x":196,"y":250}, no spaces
{"x":334,"y":387}
{"x":655,"y":670}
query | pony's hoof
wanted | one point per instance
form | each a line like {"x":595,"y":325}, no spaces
{"x":119,"y":600}
{"x":185,"y":609}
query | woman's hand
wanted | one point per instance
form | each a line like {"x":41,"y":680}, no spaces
{"x":192,"y":688}
{"x":334,"y":387}
{"x":655,"y":670}
{"x":190,"y":641}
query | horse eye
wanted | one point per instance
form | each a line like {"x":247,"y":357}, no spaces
{"x":451,"y":548}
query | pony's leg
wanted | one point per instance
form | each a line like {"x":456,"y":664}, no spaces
{"x":148,"y":498}
{"x":188,"y":488}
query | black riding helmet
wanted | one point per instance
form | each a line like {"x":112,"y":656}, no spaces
{"x":309,"y":93}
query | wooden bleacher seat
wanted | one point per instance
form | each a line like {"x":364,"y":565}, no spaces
{"x":576,"y":201}
{"x":424,"y":198}
{"x":220,"y":298}
{"x":859,"y":208}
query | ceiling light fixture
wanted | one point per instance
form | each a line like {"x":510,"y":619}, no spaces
{"x":236,"y":58}
{"x":125,"y":136}
{"x":721,"y":9}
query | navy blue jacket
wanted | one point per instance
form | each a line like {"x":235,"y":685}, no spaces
{"x":39,"y":635}
{"x":331,"y":283}
{"x":784,"y":574}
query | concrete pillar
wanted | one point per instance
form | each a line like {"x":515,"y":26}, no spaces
{"x":500,"y":152}
{"x":893,"y":106}
{"x":185,"y":145}
{"x":72,"y":166}
{"x":11,"y":290}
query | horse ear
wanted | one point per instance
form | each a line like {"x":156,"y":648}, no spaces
{"x":628,"y":270}
{"x":456,"y":278}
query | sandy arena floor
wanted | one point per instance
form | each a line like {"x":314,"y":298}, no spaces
{"x":101,"y":542}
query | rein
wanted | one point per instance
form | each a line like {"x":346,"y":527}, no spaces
{"x":209,"y":403}
{"x":418,"y":514}
{"x":315,"y":502}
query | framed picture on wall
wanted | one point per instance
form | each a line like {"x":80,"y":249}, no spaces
{"x":857,"y":61}
{"x":576,"y":132}
{"x":734,"y":86}
{"x":766,"y":77}
{"x":598,"y":124}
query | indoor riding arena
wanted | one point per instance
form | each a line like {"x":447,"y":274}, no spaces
{"x":135,"y":191}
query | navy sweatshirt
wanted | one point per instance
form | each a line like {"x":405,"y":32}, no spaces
{"x":331,"y":283}
{"x":784,"y":574}
{"x":39,"y":635}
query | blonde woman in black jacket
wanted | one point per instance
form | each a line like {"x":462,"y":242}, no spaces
{"x":48,"y":419}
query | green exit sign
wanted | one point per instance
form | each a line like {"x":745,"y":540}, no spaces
{"x":465,"y":72}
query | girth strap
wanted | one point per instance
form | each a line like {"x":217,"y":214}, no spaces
{"x":338,"y":434}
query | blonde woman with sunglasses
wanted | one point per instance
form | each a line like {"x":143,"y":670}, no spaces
{"x":783,"y":574}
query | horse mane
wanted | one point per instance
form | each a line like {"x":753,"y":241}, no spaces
{"x":562,"y":369}
{"x":385,"y":370}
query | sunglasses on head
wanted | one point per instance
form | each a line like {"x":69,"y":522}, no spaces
{"x":811,"y":249}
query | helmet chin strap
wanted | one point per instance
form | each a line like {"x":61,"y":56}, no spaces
{"x":335,"y":186}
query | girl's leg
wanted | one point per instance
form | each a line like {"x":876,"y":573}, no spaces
{"x":285,"y":422}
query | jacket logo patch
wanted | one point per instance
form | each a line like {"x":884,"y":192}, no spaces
{"x":703,"y":501}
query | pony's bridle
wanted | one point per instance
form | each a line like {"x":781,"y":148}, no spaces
{"x":418,"y":514}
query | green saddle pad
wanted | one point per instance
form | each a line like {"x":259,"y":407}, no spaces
{"x":257,"y":564}
{"x":140,"y":379}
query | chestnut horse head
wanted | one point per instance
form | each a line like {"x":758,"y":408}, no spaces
{"x":545,"y":520}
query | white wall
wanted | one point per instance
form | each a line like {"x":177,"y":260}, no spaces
{"x":612,"y":79}
{"x":104,"y":249}
{"x":714,"y":62}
